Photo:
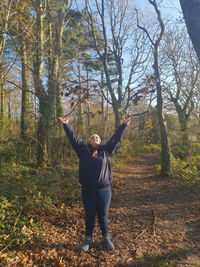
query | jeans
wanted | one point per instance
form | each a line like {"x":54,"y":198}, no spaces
{"x":96,"y":202}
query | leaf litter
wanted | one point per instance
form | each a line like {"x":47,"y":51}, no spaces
{"x":153,"y":222}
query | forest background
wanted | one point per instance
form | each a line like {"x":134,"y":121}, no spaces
{"x":96,"y":62}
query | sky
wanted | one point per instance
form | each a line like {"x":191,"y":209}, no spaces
{"x":167,"y":7}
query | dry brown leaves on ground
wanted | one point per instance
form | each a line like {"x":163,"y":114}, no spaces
{"x":153,"y":222}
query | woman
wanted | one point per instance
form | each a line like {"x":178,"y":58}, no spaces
{"x":95,"y":177}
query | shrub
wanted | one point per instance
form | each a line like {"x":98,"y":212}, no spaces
{"x":138,"y":150}
{"x":7,"y":153}
{"x":195,"y":149}
{"x":15,"y":227}
{"x":180,"y":151}
{"x":184,"y":170}
{"x":30,"y":195}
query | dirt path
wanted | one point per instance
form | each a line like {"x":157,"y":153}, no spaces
{"x":153,"y":222}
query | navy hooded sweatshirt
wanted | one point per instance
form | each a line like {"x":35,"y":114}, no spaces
{"x":94,"y":172}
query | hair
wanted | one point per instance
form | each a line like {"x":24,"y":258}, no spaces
{"x":95,"y":135}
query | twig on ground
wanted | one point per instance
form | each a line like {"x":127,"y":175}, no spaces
{"x":153,"y":222}
{"x":7,"y":246}
{"x":142,"y":232}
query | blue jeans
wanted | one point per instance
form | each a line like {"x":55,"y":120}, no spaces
{"x":96,"y":202}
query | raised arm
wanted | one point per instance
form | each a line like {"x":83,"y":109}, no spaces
{"x":74,"y":139}
{"x":113,"y":144}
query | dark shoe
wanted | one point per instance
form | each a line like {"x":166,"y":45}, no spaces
{"x":87,"y":243}
{"x":107,"y":242}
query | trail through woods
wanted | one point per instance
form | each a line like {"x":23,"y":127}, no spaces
{"x":153,"y":222}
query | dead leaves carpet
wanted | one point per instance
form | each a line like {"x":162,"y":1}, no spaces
{"x":153,"y":222}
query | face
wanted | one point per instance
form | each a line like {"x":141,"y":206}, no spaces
{"x":95,"y":141}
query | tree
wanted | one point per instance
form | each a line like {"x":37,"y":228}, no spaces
{"x":79,"y":89}
{"x":191,"y":12}
{"x":6,"y":15}
{"x":155,"y":42}
{"x":113,"y":35}
{"x":180,"y":76}
{"x":21,"y":33}
{"x":50,"y":18}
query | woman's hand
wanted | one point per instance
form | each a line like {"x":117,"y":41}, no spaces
{"x":64,"y":120}
{"x":127,"y":121}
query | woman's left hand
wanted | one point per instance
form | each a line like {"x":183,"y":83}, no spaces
{"x":64,"y":120}
{"x":127,"y":121}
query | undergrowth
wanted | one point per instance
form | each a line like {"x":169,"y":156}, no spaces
{"x":29,"y":195}
{"x":185,"y":164}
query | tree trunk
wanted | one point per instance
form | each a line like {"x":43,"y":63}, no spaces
{"x":2,"y":114}
{"x":116,"y":103}
{"x":25,"y":107}
{"x":183,"y":122}
{"x":80,"y":118}
{"x":191,"y":12}
{"x":42,"y":130}
{"x":80,"y":108}
{"x":9,"y":106}
{"x":58,"y":54}
{"x":59,"y":106}
{"x":2,"y":78}
{"x":3,"y":38}
{"x":44,"y":133}
{"x":118,"y":116}
{"x":42,"y":142}
{"x":165,"y":148}
{"x":88,"y":104}
{"x":102,"y":104}
{"x":50,"y":106}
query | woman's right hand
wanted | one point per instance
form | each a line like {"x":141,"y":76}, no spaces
{"x":64,"y":120}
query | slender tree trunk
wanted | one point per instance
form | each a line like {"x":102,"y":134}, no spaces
{"x":9,"y":107}
{"x":88,"y":104}
{"x":25,"y":107}
{"x":80,"y":108}
{"x":107,"y":114}
{"x":102,"y":104}
{"x":2,"y":110}
{"x":2,"y":79}
{"x":165,"y":148}
{"x":88,"y":118}
{"x":58,"y":54}
{"x":3,"y":39}
{"x":52,"y":84}
{"x":80,"y":118}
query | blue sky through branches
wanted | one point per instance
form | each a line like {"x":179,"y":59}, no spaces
{"x":167,"y":7}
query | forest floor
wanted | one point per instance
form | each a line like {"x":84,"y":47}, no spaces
{"x":153,"y":222}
